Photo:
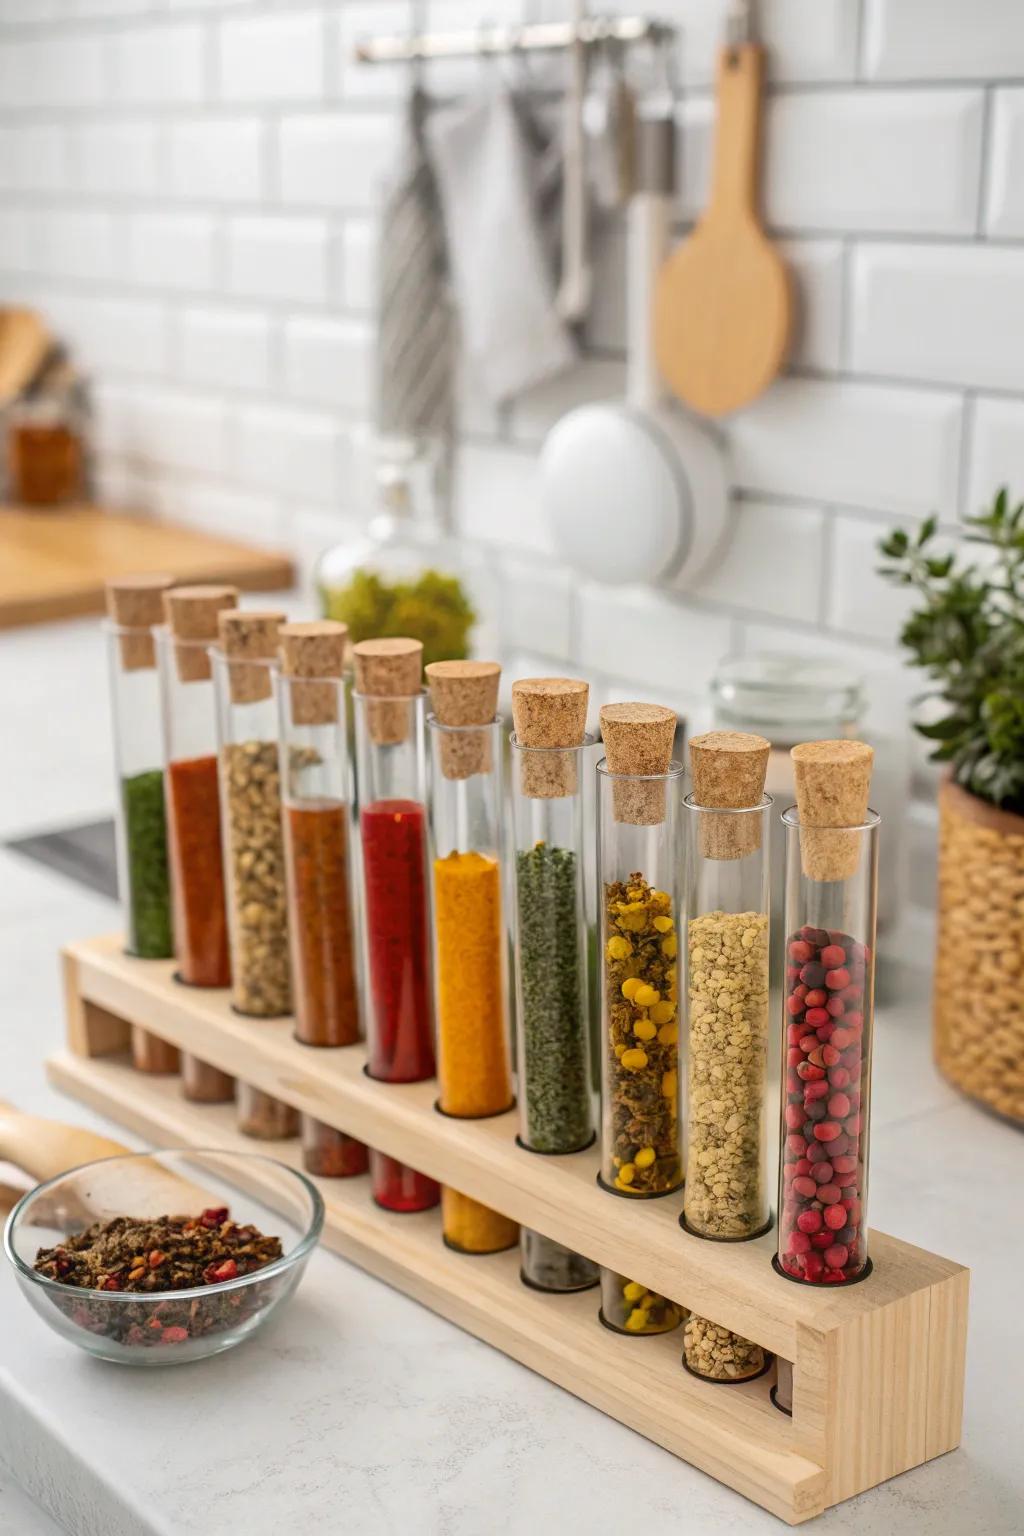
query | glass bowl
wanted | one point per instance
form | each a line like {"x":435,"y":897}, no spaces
{"x":122,"y":1326}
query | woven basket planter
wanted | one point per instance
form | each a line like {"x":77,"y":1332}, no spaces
{"x":979,"y":966}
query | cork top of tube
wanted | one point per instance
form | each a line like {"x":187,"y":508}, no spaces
{"x":638,"y":740}
{"x":249,"y":638}
{"x":314,"y":651}
{"x":833,"y":781}
{"x":192,"y":617}
{"x":464,"y":694}
{"x":729,"y":770}
{"x":549,"y":713}
{"x":389,"y":671}
{"x":389,"y":668}
{"x":137,"y":602}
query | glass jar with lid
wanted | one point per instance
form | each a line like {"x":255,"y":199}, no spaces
{"x":793,"y":698}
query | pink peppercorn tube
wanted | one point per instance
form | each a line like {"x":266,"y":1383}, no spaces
{"x":827,"y":1036}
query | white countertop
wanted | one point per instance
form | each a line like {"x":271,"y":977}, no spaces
{"x":357,"y":1409}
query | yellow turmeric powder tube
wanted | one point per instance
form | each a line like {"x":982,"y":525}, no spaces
{"x":473,"y":1066}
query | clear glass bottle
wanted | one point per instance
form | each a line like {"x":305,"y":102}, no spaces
{"x":474,"y":1073}
{"x":391,"y":781}
{"x":549,"y":934}
{"x":193,"y":808}
{"x":831,"y":881}
{"x":406,"y":560}
{"x":45,"y":455}
{"x":135,"y":606}
{"x":727,"y":952}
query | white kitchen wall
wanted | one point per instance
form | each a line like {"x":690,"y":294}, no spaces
{"x":187,"y":190}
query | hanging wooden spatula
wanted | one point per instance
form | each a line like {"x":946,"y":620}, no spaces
{"x":723,"y":305}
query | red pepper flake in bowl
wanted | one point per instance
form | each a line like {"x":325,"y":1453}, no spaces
{"x":141,"y":1257}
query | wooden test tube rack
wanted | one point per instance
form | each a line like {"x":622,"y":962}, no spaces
{"x":878,"y":1367}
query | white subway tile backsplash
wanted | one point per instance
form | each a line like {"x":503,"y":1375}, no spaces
{"x":943,"y":39}
{"x":497,"y":498}
{"x":774,"y":561}
{"x":279,"y":258}
{"x":807,"y":40}
{"x":16,"y":244}
{"x":159,"y":64}
{"x":874,"y":160}
{"x":224,"y":349}
{"x":126,"y":336}
{"x":535,"y":607}
{"x":172,"y":250}
{"x":187,"y":432}
{"x":301,"y":454}
{"x":218,"y":158}
{"x":336,"y":160}
{"x":76,"y":243}
{"x":61,"y":69}
{"x":383,"y":82}
{"x":329,"y":362}
{"x":632,"y":631}
{"x":816,"y":268}
{"x":953,"y":314}
{"x":233,"y":514}
{"x":277,"y":57}
{"x":1005,"y":213}
{"x":358,"y":265}
{"x":997,"y":452}
{"x":860,"y":601}
{"x":33,"y":158}
{"x":116,"y":159}
{"x":865,"y":445}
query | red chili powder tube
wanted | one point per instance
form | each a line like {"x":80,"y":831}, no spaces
{"x":325,"y":994}
{"x":197,"y":872}
{"x":401,"y":1037}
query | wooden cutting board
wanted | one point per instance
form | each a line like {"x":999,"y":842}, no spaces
{"x":723,"y":303}
{"x":54,"y":564}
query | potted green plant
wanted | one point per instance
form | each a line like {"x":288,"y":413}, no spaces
{"x":966,"y":633}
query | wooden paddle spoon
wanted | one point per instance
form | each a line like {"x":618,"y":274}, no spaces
{"x":723,"y":305}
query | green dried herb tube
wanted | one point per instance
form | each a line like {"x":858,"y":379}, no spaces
{"x":550,"y":945}
{"x":148,"y":896}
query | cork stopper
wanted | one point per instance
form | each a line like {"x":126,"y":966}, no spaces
{"x":833,"y":779}
{"x":192,"y":619}
{"x":137,"y":603}
{"x":464,"y":693}
{"x":549,"y":713}
{"x":388,"y":670}
{"x":729,"y":769}
{"x":249,"y":641}
{"x":638,"y":740}
{"x":315,"y":650}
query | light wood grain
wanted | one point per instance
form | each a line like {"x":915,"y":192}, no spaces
{"x":54,"y":563}
{"x":878,"y":1367}
{"x":723,"y":305}
{"x":735,"y":1435}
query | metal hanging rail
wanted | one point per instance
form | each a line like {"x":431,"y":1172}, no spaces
{"x":546,"y":37}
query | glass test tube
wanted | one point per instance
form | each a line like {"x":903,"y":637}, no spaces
{"x":474,"y":1074}
{"x":831,"y":884}
{"x":549,"y":930}
{"x":391,"y":777}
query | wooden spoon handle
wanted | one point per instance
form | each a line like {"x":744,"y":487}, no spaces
{"x":45,"y":1148}
{"x":734,"y":182}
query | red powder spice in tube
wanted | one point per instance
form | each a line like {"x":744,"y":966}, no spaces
{"x":200,"y":920}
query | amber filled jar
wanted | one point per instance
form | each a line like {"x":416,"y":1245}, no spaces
{"x":44,"y":455}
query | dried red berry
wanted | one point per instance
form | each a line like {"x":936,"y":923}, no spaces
{"x":174,"y":1336}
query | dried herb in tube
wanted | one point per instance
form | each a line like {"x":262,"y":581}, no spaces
{"x":550,"y":945}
